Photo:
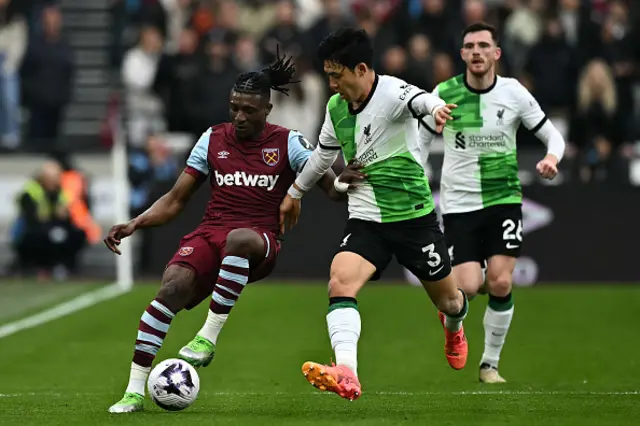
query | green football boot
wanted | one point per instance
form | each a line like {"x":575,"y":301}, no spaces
{"x":198,"y":352}
{"x":130,"y":403}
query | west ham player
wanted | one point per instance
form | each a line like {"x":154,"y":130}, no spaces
{"x":250,"y":164}
{"x":481,"y":195}
{"x":374,"y":120}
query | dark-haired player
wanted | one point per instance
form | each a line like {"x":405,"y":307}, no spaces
{"x":374,"y":120}
{"x":480,"y":193}
{"x":250,"y":164}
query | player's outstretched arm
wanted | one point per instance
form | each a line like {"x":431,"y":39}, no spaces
{"x":162,"y":211}
{"x":552,"y":138}
{"x":534,"y":119}
{"x":411,"y":101}
{"x":317,"y":164}
{"x":320,"y":160}
{"x":167,"y":207}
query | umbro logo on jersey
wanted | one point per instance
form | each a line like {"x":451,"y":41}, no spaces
{"x":500,"y":116}
{"x":222,"y":155}
{"x":461,"y":143}
{"x":367,"y":134}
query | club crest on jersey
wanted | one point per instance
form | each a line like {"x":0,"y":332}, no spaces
{"x":367,"y":134}
{"x":185,"y":251}
{"x":271,"y":156}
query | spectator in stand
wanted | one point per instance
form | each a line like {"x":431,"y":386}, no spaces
{"x":254,"y":17}
{"x":212,"y":85}
{"x":178,"y":13}
{"x":47,"y":74}
{"x":128,"y":18}
{"x":246,"y":57}
{"x":332,"y":19}
{"x":139,"y":68}
{"x":76,"y":187}
{"x":45,"y":239}
{"x":13,"y":43}
{"x":553,"y":87}
{"x":175,"y":77}
{"x":149,"y":168}
{"x":284,"y":33}
{"x":595,"y":128}
{"x":420,"y":61}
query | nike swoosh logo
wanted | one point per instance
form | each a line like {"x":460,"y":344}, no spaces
{"x":436,"y":271}
{"x":512,"y":246}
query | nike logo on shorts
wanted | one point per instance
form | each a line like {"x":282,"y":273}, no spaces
{"x":432,"y":273}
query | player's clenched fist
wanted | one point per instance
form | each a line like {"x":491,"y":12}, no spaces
{"x":548,"y":167}
{"x":289,"y":213}
{"x":116,"y":234}
{"x":442,"y":115}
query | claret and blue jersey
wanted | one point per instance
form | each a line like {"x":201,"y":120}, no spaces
{"x":248,"y":179}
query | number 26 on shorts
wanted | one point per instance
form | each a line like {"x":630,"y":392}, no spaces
{"x":512,"y":231}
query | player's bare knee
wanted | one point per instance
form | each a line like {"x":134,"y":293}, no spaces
{"x":450,"y":304}
{"x":500,"y":284}
{"x":245,"y":243}
{"x":341,"y":284}
{"x":176,"y":288}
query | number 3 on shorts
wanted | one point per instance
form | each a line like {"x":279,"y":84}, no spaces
{"x":434,"y":258}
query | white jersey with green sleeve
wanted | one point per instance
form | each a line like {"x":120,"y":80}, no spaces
{"x":480,"y":166}
{"x":382,"y":135}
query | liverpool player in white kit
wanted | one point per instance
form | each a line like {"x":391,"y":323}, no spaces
{"x":481,"y":195}
{"x":373,"y":120}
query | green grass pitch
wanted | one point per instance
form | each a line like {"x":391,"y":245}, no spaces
{"x":571,"y":359}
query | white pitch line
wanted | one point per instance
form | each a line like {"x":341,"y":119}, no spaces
{"x":74,"y":305}
{"x":399,"y":393}
{"x":512,"y":392}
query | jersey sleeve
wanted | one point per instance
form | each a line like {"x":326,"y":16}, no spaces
{"x":197,"y":161}
{"x":299,"y":150}
{"x":328,"y":139}
{"x":408,"y":101}
{"x":321,"y":158}
{"x":531,"y":115}
{"x":428,"y":124}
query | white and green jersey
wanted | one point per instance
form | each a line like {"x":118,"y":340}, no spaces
{"x":480,"y":164}
{"x":382,"y":135}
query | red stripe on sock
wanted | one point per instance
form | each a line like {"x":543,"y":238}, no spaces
{"x":219,"y":309}
{"x":148,"y":329}
{"x":143,"y":359}
{"x":231,"y":285}
{"x":235,"y":270}
{"x":224,"y":293}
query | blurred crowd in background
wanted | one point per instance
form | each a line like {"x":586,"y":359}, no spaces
{"x":174,"y":62}
{"x":177,"y":59}
{"x":36,"y":72}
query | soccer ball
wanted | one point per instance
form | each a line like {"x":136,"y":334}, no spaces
{"x":173,"y":384}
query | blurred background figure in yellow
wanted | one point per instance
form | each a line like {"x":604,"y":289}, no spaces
{"x":46,"y":241}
